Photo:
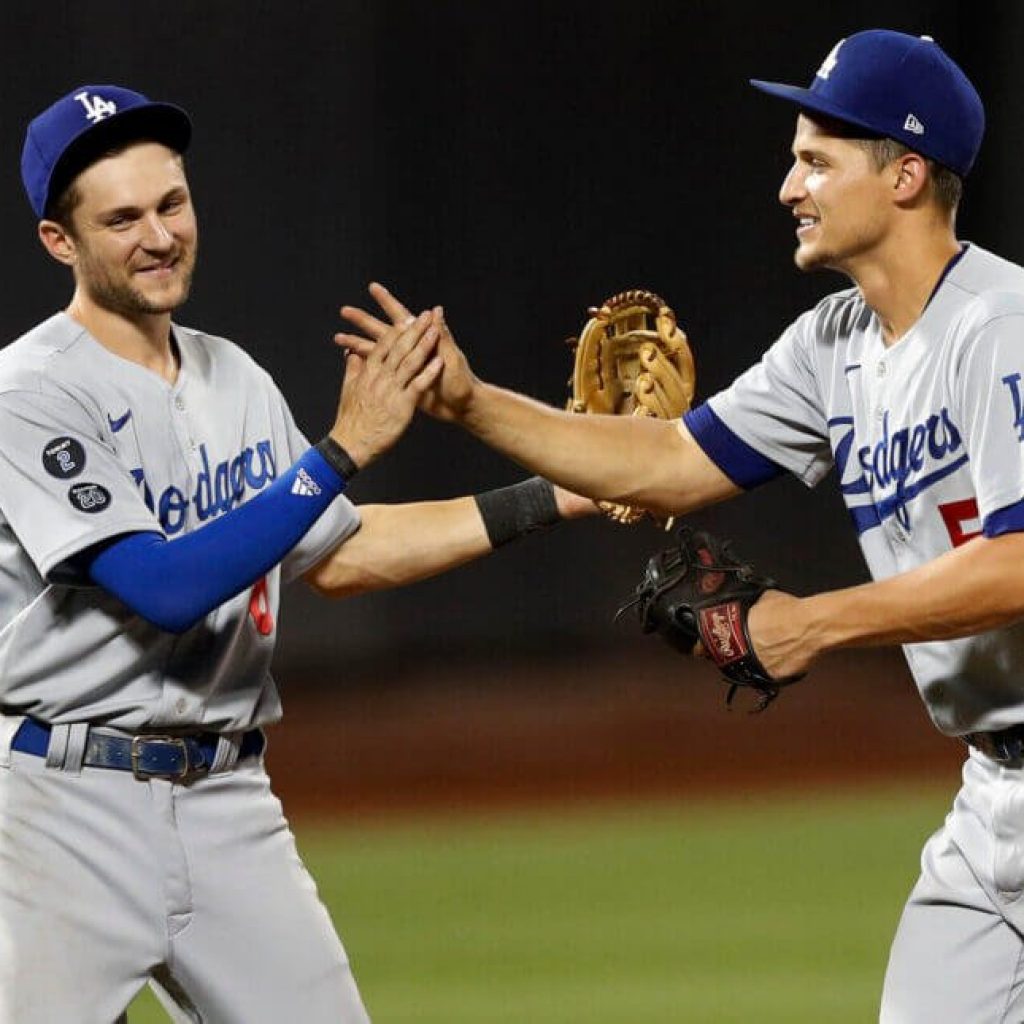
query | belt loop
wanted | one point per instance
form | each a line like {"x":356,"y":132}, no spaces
{"x":57,"y":749}
{"x":9,"y":725}
{"x":78,"y":735}
{"x":225,"y":756}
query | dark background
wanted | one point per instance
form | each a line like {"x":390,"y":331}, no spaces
{"x":516,"y":162}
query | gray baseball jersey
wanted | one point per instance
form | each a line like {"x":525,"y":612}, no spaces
{"x":927,"y":439}
{"x":96,"y":446}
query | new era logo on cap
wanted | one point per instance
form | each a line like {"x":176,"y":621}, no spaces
{"x":80,"y":127}
{"x":900,"y":87}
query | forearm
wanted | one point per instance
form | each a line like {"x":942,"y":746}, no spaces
{"x":631,"y":459}
{"x":968,"y":590}
{"x":176,"y":584}
{"x":399,"y":544}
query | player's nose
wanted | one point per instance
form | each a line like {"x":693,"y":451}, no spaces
{"x":155,"y":234}
{"x":792,"y":189}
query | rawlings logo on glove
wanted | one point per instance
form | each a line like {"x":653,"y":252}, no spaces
{"x":698,"y":591}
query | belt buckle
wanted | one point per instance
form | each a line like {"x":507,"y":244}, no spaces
{"x":144,"y":774}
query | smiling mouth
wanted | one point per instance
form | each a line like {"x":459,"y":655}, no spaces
{"x":805,"y":225}
{"x":160,"y":269}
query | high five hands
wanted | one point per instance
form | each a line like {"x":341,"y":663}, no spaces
{"x":384,"y":383}
{"x":450,"y":392}
{"x":446,"y":393}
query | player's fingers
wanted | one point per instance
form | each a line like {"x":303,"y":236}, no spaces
{"x":355,"y":344}
{"x":417,"y":357}
{"x":401,"y":343}
{"x":394,"y":309}
{"x":392,"y":346}
{"x":438,"y":314}
{"x":354,"y":364}
{"x":365,"y":322}
{"x":447,"y":338}
{"x":426,"y":377}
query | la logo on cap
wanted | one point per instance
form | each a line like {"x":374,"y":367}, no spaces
{"x":96,"y":107}
{"x":829,"y":63}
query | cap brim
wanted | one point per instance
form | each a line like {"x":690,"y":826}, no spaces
{"x":807,"y":99}
{"x":160,"y":122}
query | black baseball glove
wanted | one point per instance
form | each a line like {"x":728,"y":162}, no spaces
{"x":698,"y":590}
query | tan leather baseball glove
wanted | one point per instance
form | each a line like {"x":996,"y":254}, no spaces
{"x":632,"y":359}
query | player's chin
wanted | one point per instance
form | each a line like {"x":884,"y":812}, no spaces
{"x":166,"y":295}
{"x":808,"y":257}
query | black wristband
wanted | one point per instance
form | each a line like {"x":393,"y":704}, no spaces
{"x":337,"y":458}
{"x":511,"y":512}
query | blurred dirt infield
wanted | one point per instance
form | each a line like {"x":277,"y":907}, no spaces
{"x":611,"y":728}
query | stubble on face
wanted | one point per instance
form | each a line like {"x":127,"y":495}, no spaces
{"x":134,"y":231}
{"x":112,"y":288}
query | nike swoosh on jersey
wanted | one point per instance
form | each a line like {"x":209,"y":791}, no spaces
{"x":116,"y":425}
{"x":851,"y":367}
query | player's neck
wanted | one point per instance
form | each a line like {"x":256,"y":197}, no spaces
{"x":899,"y":279}
{"x":144,"y":339}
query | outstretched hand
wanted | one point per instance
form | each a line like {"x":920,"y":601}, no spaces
{"x":450,"y":392}
{"x":384,"y":385}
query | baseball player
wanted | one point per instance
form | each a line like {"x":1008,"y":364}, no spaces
{"x":910,"y":384}
{"x":154,"y":495}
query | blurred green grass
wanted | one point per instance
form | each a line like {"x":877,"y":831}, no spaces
{"x":769,"y":909}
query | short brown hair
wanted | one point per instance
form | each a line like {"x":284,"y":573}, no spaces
{"x":947,"y":185}
{"x":63,"y":207}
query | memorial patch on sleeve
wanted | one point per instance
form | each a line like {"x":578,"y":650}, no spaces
{"x":89,"y":497}
{"x":63,"y":457}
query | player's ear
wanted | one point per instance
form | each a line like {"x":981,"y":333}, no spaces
{"x":58,"y":242}
{"x":910,"y":177}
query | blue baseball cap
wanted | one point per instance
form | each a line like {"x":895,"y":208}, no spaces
{"x":900,"y":87}
{"x":80,"y":127}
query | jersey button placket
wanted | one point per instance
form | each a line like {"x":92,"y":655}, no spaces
{"x":185,"y":433}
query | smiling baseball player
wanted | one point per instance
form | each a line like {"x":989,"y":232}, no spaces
{"x":154,"y":494}
{"x":911,"y":385}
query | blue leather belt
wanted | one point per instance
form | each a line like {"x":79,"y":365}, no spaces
{"x":1003,"y":746}
{"x":146,"y":756}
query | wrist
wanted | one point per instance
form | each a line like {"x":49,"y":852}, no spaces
{"x":472,"y":412}
{"x":822,"y":630}
{"x":360,"y":453}
{"x":512,"y":512}
{"x":338,"y":457}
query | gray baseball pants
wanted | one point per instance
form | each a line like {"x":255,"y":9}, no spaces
{"x":958,"y":955}
{"x":107,"y":881}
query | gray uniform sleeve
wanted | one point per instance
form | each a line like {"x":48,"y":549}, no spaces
{"x":988,"y":404}
{"x":777,"y":409}
{"x":62,"y":489}
{"x":336,"y":525}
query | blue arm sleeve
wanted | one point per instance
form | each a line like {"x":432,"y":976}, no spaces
{"x":175,"y":584}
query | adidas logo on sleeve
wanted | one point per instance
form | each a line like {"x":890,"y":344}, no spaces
{"x":305,"y":485}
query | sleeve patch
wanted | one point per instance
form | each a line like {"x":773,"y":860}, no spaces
{"x":89,"y":498}
{"x":63,"y":457}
